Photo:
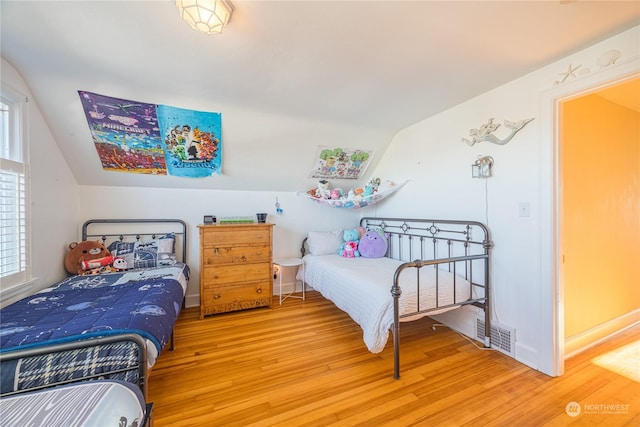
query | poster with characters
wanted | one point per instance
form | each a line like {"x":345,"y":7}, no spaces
{"x":191,"y":141}
{"x":340,"y":163}
{"x":125,"y":133}
{"x":133,"y":136}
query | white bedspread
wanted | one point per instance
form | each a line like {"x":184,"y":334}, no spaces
{"x":362,"y":288}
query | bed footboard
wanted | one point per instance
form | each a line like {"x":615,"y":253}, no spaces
{"x":120,"y":357}
{"x":460,"y":248}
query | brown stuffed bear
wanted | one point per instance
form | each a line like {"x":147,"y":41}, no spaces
{"x":80,"y":254}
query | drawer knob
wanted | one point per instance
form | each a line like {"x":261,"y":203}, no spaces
{"x":259,"y":290}
{"x":216,"y":296}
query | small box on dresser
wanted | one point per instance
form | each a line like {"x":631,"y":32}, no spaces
{"x":235,"y":267}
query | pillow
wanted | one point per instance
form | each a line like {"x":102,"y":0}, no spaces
{"x":146,"y":253}
{"x":373,"y":244}
{"x":324,"y":242}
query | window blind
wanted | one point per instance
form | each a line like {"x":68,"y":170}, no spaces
{"x":13,"y":236}
{"x":15,"y":268}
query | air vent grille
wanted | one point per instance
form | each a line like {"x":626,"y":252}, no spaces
{"x":502,"y":338}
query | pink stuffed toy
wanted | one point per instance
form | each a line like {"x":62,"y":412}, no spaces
{"x":350,"y":249}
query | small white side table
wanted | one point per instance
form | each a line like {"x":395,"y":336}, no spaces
{"x":290,"y":262}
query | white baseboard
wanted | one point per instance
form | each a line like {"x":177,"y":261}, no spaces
{"x":192,"y":301}
{"x":527,"y":355}
{"x":461,"y":320}
{"x":580,"y":342}
{"x":287,"y":287}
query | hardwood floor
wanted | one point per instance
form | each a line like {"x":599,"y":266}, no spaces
{"x":304,"y":364}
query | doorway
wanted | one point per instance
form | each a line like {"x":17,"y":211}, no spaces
{"x":599,"y":171}
{"x":552,"y":316}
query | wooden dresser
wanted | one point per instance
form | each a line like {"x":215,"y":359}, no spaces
{"x":236,"y":267}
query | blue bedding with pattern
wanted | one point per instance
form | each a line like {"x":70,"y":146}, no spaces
{"x":145,"y":302}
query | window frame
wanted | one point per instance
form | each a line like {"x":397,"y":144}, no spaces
{"x":14,"y":158}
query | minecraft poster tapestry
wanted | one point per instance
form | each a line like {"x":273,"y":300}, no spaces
{"x":133,"y":136}
{"x":125,"y":134}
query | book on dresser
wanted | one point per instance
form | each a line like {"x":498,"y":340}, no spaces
{"x":236,"y":267}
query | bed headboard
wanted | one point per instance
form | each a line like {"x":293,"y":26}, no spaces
{"x":110,"y":230}
{"x":411,"y":239}
{"x":434,"y":239}
{"x":464,"y":246}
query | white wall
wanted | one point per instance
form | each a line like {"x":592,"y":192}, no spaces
{"x":59,"y":207}
{"x":299,"y":217}
{"x":54,"y":196}
{"x":431,"y":154}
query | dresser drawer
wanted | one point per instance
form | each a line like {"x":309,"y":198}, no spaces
{"x":237,"y":236}
{"x":236,"y":297}
{"x":236,"y":270}
{"x":228,"y":274}
{"x":236,"y":255}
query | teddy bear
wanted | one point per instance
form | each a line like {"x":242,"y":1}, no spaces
{"x":349,"y":248}
{"x":85,"y":256}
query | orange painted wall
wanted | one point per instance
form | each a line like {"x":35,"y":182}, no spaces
{"x":601,"y":193}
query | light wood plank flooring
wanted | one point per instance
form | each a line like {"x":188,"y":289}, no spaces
{"x":304,"y":364}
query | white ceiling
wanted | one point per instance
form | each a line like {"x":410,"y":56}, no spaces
{"x":287,"y":76}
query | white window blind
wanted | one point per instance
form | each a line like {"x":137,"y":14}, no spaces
{"x":14,"y":187}
{"x":13,"y":242}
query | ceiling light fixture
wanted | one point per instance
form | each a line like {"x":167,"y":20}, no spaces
{"x":206,"y":16}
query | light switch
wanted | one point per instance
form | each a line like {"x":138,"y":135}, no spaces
{"x":524,"y":209}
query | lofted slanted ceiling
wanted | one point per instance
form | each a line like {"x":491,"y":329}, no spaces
{"x":287,"y":76}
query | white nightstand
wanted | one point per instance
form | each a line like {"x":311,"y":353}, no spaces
{"x":290,"y":262}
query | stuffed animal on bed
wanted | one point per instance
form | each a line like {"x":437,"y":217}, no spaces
{"x":373,"y":244}
{"x":349,"y":248}
{"x":85,"y":256}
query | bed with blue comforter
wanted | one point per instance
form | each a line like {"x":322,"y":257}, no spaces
{"x":146,"y":302}
{"x":87,"y":327}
